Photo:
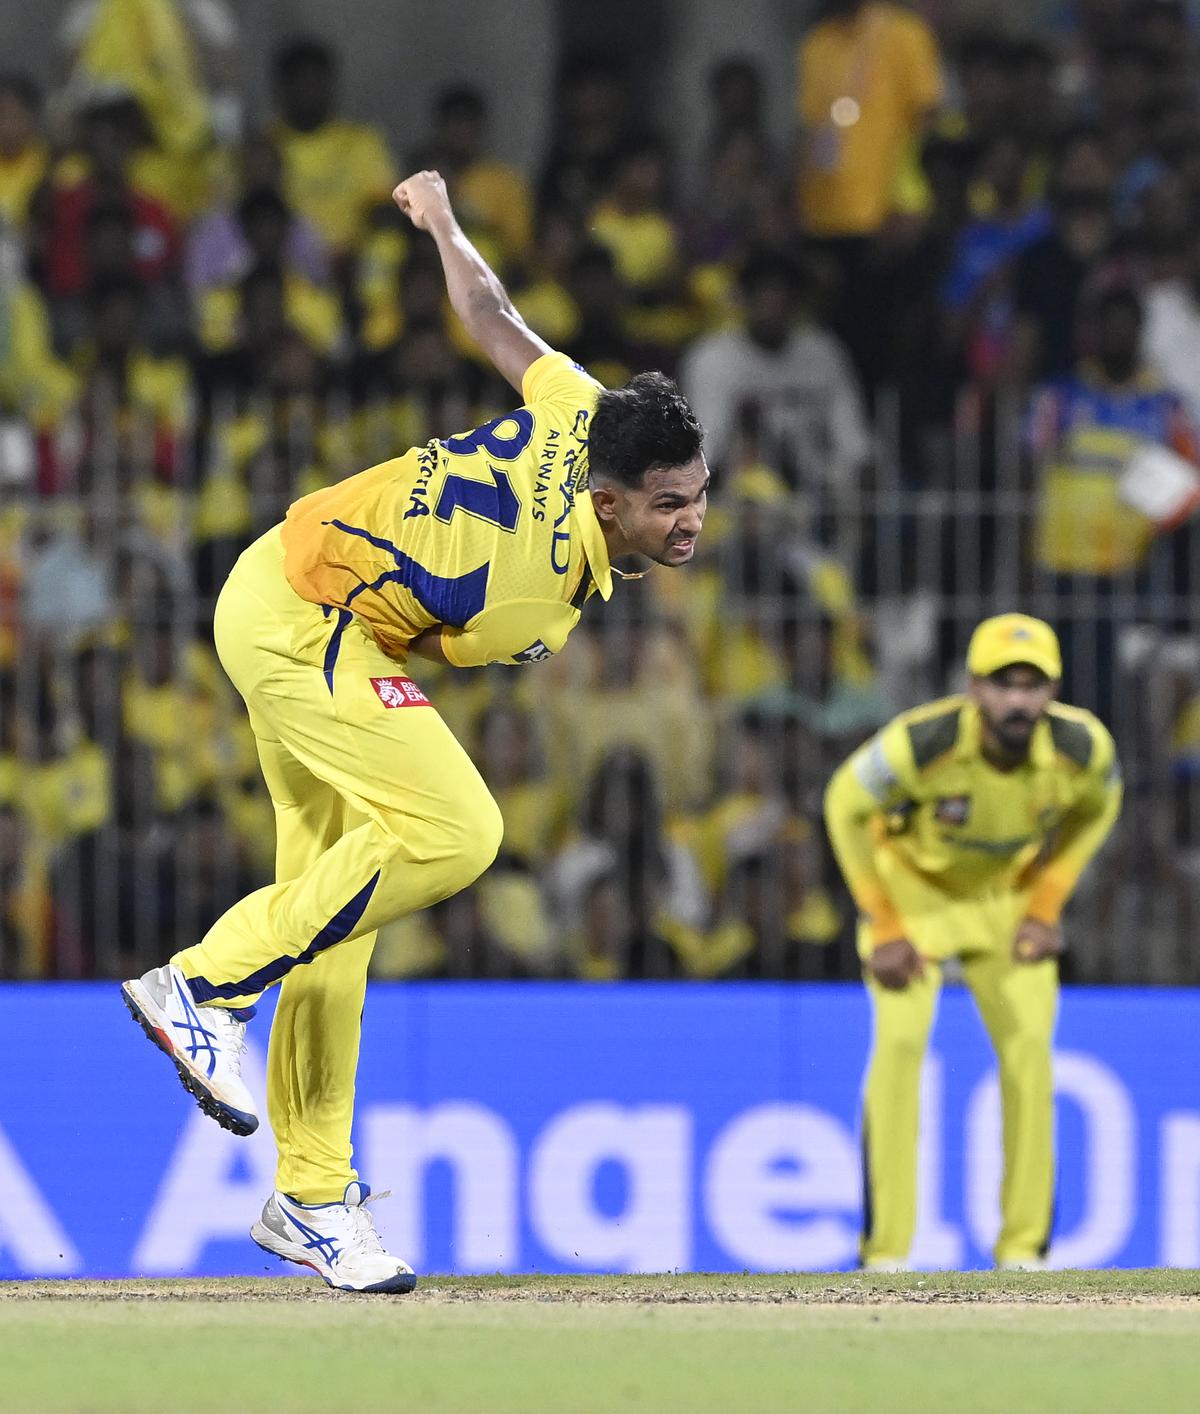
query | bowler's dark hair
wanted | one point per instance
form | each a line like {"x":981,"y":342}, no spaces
{"x":646,"y":424}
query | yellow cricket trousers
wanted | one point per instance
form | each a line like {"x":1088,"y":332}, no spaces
{"x":379,"y":812}
{"x":1018,"y":1003}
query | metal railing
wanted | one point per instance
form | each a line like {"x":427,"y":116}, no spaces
{"x":131,"y":812}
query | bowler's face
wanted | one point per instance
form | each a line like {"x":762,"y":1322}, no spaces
{"x":662,"y":518}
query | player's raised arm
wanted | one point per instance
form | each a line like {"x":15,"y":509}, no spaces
{"x":475,"y":290}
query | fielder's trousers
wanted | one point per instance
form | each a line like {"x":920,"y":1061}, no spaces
{"x":1018,"y":1003}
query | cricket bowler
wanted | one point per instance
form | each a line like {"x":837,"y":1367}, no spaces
{"x":479,"y":548}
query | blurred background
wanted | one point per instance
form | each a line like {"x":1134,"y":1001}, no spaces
{"x":931,"y":279}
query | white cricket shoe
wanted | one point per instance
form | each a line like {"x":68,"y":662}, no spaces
{"x":885,"y":1267}
{"x":1024,"y":1264}
{"x":205,"y":1044}
{"x":337,"y":1240}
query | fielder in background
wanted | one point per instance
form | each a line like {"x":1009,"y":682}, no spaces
{"x":480,"y":548}
{"x":962,"y":829}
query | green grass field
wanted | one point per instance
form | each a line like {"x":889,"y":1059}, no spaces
{"x":973,"y":1343}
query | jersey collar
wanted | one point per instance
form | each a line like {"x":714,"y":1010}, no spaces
{"x":970,"y":733}
{"x":593,"y":541}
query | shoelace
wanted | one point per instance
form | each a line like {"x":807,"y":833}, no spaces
{"x":354,"y":1225}
{"x":366,"y":1237}
{"x":358,"y":1231}
{"x":232,"y":1035}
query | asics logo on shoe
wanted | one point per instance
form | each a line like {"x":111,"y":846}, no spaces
{"x":325,"y":1246}
{"x":198,"y":1038}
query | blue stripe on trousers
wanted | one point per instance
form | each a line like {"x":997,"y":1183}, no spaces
{"x":339,"y":927}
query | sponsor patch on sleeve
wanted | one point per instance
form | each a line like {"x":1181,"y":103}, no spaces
{"x":537,"y":652}
{"x":399,"y":692}
{"x":874,"y":771}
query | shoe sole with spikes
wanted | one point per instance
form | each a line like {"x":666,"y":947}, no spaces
{"x":146,"y":1014}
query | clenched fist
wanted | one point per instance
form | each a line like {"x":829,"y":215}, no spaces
{"x":422,"y":197}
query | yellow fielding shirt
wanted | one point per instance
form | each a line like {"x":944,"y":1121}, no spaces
{"x":491,"y":534}
{"x":864,"y":87}
{"x":922,"y":825}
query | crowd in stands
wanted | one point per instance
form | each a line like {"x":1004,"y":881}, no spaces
{"x":948,"y":324}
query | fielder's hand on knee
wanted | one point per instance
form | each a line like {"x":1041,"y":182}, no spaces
{"x":895,"y":964}
{"x":1036,"y":941}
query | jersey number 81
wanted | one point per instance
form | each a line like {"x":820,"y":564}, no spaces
{"x":495,"y":502}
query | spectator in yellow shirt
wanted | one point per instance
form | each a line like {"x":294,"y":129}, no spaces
{"x":149,"y":397}
{"x":35,"y":388}
{"x":23,"y":154}
{"x":15,"y":941}
{"x":421,"y":387}
{"x":602,"y":342}
{"x":633,"y":222}
{"x":626,"y":881}
{"x":65,"y":780}
{"x":335,"y":170}
{"x":491,"y":196}
{"x":218,"y":252}
{"x":589,"y":124}
{"x":535,"y":810}
{"x":643,"y":696}
{"x":869,"y":77}
{"x":1093,"y":544}
{"x":265,"y":225}
{"x":545,"y":302}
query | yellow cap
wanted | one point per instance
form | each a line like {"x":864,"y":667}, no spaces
{"x":1013,"y":638}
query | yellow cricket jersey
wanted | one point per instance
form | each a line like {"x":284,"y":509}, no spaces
{"x":922,"y":825}
{"x":491,"y":534}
